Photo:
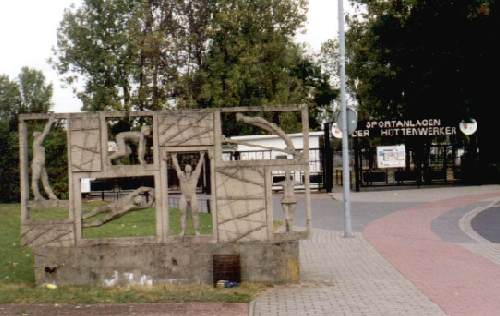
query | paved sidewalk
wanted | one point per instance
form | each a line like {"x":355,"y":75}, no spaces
{"x":414,"y":253}
{"x":345,"y":276}
{"x":460,"y":281}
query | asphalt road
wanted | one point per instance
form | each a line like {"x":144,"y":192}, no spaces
{"x":487,"y":224}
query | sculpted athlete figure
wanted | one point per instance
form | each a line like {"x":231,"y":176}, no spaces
{"x":140,"y":198}
{"x":137,"y":138}
{"x":38,"y":164}
{"x":289,"y":201}
{"x":187,"y":182}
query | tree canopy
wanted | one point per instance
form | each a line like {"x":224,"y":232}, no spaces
{"x":415,"y":58}
{"x":149,"y":55}
{"x":423,"y":58}
{"x":27,"y":93}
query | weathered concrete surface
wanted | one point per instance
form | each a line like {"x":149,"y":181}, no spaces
{"x":241,"y":198}
{"x":187,"y":128}
{"x":44,"y":233}
{"x":241,"y":204}
{"x":156,"y":309}
{"x":151,"y":263}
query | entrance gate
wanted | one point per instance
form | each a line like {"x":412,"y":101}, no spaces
{"x":441,"y":164}
{"x":434,"y":153}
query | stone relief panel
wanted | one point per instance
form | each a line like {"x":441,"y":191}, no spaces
{"x":186,"y":129}
{"x":241,"y":204}
{"x":47,"y":234}
{"x":85,"y":143}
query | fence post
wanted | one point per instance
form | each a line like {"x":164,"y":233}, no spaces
{"x":328,"y":159}
{"x":356,"y":162}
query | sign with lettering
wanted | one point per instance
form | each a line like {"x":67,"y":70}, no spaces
{"x":424,"y":127}
{"x":391,"y":156}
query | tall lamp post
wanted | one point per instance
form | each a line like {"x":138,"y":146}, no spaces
{"x":345,"y":141}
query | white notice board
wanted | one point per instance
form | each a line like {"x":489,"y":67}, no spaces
{"x":391,"y":156}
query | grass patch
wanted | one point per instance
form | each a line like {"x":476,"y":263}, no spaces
{"x":158,"y":294}
{"x":17,"y":279}
{"x":54,"y":213}
{"x":16,"y":262}
{"x":143,"y":223}
{"x":132,"y":224}
{"x":175,"y":223}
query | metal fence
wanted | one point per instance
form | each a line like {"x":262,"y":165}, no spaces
{"x":438,"y":164}
{"x":315,"y":166}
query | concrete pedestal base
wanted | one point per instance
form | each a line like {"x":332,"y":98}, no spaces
{"x":110,"y":264}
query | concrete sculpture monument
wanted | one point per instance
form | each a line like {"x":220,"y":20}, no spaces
{"x":188,"y":179}
{"x":38,"y":164}
{"x":241,"y":199}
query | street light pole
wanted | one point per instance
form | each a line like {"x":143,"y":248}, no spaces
{"x":345,"y":141}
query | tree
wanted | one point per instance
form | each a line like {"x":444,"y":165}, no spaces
{"x":417,"y":58}
{"x":9,"y":164}
{"x":10,"y":101}
{"x":29,"y":93}
{"x":414,"y":58}
{"x":251,"y":56}
{"x":35,"y":93}
{"x":97,"y":44}
{"x":149,"y":55}
{"x":132,"y":54}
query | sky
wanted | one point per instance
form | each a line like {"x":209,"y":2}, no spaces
{"x":28,"y":31}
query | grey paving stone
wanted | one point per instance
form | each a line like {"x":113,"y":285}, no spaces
{"x":345,"y":276}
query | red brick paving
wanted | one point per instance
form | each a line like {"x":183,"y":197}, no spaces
{"x":459,"y":281}
{"x":159,"y":309}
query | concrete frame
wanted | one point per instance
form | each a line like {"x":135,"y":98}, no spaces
{"x":201,"y":123}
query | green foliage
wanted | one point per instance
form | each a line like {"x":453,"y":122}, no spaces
{"x":175,"y":223}
{"x":16,"y":262}
{"x":9,"y":164}
{"x":28,"y":93}
{"x":10,"y":101}
{"x":57,"y":161}
{"x":19,"y":294}
{"x":423,"y":58}
{"x":419,"y":58}
{"x":251,"y":56}
{"x":142,"y":223}
{"x":35,"y":93}
{"x":133,"y":224}
{"x":135,"y":54}
{"x":95,"y":43}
